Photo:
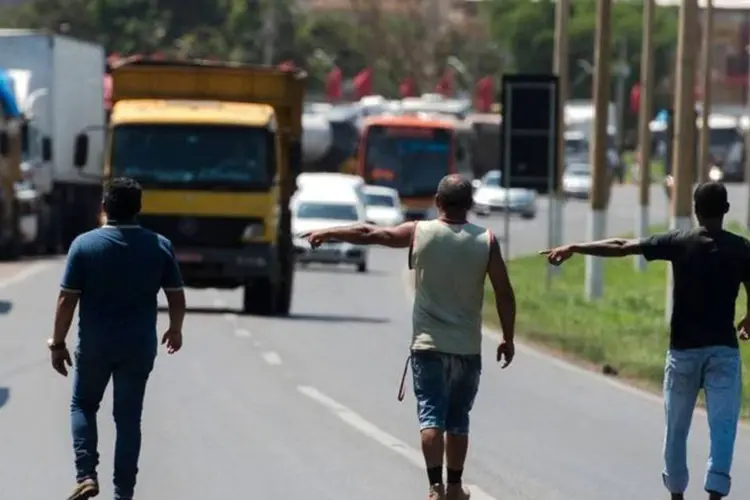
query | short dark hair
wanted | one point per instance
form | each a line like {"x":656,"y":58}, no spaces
{"x":122,"y":199}
{"x":711,"y":200}
{"x":455,"y":194}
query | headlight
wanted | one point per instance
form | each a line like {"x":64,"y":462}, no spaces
{"x":252,"y":231}
{"x":715,"y":174}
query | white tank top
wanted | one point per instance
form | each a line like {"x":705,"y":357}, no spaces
{"x":450,"y":265}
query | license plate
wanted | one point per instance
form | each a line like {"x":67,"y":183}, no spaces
{"x":189,"y":257}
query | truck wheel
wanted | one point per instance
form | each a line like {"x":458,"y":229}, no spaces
{"x":259,"y":297}
{"x":12,"y":249}
{"x":362,"y":267}
{"x":284,"y":291}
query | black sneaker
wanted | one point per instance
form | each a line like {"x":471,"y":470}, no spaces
{"x":88,"y":488}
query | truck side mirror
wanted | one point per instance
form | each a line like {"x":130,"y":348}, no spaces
{"x":4,"y":143}
{"x":81,"y":150}
{"x":25,"y":136}
{"x":46,"y":149}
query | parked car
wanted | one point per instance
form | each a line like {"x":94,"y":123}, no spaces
{"x":490,"y":196}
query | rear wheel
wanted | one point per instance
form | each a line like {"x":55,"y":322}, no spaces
{"x":362,"y":267}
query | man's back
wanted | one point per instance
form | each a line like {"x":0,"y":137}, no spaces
{"x":450,"y":263}
{"x":709,"y":267}
{"x":119,"y":271}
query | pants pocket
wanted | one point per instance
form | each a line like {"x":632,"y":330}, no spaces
{"x":723,"y":372}
{"x":682,"y":373}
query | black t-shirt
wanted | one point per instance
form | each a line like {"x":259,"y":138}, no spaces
{"x":708,"y":269}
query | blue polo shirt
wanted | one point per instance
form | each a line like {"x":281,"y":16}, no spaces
{"x":118,"y":271}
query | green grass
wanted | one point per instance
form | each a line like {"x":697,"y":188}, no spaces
{"x":657,"y":168}
{"x":624,"y":330}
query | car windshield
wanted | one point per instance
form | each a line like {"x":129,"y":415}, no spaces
{"x":193,"y":156}
{"x":380,"y":200}
{"x":492,"y":179}
{"x":333,"y":211}
{"x":578,"y":169}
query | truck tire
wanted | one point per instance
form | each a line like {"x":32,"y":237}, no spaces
{"x":259,"y":297}
{"x":286,"y":285}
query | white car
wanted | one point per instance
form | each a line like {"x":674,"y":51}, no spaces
{"x":576,"y":180}
{"x":314,"y":209}
{"x":383,"y":206}
{"x":490,"y":196}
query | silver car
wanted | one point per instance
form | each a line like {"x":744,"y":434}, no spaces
{"x":576,"y":180}
{"x":490,"y":196}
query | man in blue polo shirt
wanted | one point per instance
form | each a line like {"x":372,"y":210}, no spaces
{"x":115,"y":272}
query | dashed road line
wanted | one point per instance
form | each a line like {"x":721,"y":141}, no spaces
{"x":367,"y":428}
{"x":25,"y":273}
{"x":241,"y":332}
{"x":271,"y":358}
{"x":231,"y":317}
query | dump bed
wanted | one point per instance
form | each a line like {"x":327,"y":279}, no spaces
{"x":228,"y":82}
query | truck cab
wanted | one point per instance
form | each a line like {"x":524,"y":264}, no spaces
{"x":216,"y":149}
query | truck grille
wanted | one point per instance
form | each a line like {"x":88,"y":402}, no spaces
{"x":199,"y":232}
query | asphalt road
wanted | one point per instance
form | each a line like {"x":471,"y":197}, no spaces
{"x":306,"y":406}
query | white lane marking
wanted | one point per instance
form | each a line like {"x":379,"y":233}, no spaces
{"x":362,"y":425}
{"x":271,"y":358}
{"x":565,"y":365}
{"x":231,"y":317}
{"x":25,"y":274}
{"x":241,"y":332}
{"x":219,"y":303}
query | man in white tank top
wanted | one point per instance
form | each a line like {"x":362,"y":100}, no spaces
{"x":451,"y":258}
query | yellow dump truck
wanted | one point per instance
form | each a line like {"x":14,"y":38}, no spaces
{"x":217,"y":149}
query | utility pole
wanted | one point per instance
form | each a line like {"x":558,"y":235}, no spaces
{"x":705,"y":151}
{"x":683,"y":166}
{"x":601,"y":176}
{"x":269,"y":29}
{"x":644,"y":132}
{"x":561,"y":63}
{"x":623,"y":71}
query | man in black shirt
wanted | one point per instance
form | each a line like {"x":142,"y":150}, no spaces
{"x":709,"y":264}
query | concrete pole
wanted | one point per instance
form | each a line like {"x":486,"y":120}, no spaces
{"x":705,"y":151}
{"x":600,"y":171}
{"x":644,"y":132}
{"x":561,"y":63}
{"x":683,"y":167}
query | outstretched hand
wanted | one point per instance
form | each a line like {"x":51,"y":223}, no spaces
{"x":556,"y":256}
{"x":316,"y":238}
{"x":743,"y":328}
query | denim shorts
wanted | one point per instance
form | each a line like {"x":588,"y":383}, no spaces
{"x":445,"y":386}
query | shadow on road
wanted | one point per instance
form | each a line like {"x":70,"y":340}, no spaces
{"x":4,"y":396}
{"x":337,"y":318}
{"x":335,"y":269}
{"x":206,"y":310}
{"x":5,"y":306}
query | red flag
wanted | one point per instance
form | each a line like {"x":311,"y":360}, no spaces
{"x":446,"y":86}
{"x":484,"y":94}
{"x":408,"y":87}
{"x":635,"y":98}
{"x":333,"y":84}
{"x":363,"y":83}
{"x":287,"y":65}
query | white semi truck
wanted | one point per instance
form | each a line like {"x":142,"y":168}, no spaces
{"x":59,"y":85}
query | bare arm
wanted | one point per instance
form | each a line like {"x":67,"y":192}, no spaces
{"x":66,"y":308}
{"x":613,"y":247}
{"x":177,"y":308}
{"x":505,"y":298}
{"x":365,"y":234}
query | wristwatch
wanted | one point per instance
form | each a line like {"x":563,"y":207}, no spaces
{"x":55,"y":346}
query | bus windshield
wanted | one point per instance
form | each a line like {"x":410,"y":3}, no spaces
{"x":193,"y":156}
{"x":412,"y":161}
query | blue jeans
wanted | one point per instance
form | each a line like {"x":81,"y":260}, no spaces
{"x":718,"y":370}
{"x":129,"y":375}
{"x":445,"y":386}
